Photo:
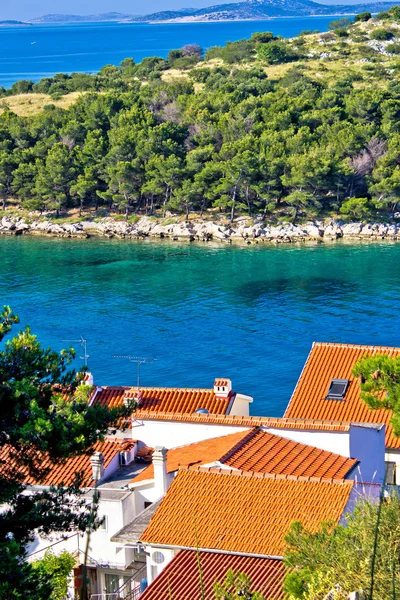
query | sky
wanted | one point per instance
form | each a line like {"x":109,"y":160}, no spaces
{"x":28,"y":9}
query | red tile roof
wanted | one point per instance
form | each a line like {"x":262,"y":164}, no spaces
{"x":328,"y":361}
{"x":64,"y":473}
{"x":201,"y":453}
{"x":165,"y":400}
{"x":180,"y":578}
{"x":260,"y":452}
{"x":268,"y":453}
{"x":206,"y":509}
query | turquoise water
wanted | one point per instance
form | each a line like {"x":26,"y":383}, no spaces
{"x":250,"y":314}
{"x":42,"y":50}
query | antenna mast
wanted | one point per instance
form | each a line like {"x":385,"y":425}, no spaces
{"x":83,"y":342}
{"x":139,"y":360}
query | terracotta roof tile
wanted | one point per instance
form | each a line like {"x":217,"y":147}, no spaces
{"x":268,"y":453}
{"x":328,"y":361}
{"x":165,"y":400}
{"x":205,"y":510}
{"x":260,"y":452}
{"x":64,"y":473}
{"x":200,"y":453}
{"x":266,"y":576}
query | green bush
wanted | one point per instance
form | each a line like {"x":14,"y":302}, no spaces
{"x":382,"y":35}
{"x":362,"y":17}
{"x":356,"y":208}
{"x":341,"y":33}
{"x":339,"y":24}
{"x":275,"y":53}
{"x":393,"y":48}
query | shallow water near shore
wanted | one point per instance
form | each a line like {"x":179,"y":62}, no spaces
{"x":248,"y":313}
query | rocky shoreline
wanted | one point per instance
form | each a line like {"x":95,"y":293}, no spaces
{"x":242,"y":231}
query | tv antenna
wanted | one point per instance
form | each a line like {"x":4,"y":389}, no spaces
{"x":139,"y":360}
{"x":82,"y":342}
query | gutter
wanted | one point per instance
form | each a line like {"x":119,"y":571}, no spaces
{"x":210,"y":550}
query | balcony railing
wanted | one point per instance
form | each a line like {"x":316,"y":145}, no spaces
{"x":130,"y":590}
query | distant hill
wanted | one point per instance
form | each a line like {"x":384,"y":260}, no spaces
{"x":100,"y":18}
{"x":241,"y":11}
{"x":261,"y":9}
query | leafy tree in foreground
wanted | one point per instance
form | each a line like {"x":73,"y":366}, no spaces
{"x":58,"y":569}
{"x":339,"y":558}
{"x":38,"y":421}
{"x":236,"y":586}
{"x":380,"y":384}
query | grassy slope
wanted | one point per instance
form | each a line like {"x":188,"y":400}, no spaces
{"x":344,"y":58}
{"x":26,"y":105}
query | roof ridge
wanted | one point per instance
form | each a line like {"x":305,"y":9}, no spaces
{"x":345,"y":345}
{"x":228,"y":471}
{"x":249,"y":436}
{"x":155,"y":387}
{"x":249,"y":421}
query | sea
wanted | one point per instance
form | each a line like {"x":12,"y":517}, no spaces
{"x":202,"y":311}
{"x":38,"y":51}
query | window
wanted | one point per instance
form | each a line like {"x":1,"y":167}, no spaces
{"x":337,"y":389}
{"x":111,"y":583}
{"x":390,"y":470}
{"x":147,"y":504}
{"x":104,"y":524}
{"x":116,"y":586}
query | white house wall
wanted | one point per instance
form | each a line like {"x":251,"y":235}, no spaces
{"x":171,"y":434}
{"x":333,"y":441}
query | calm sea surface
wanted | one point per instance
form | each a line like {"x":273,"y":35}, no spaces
{"x":42,"y":50}
{"x":250,"y":314}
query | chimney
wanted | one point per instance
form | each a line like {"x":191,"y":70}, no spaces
{"x":222,"y":388}
{"x":160,"y":471}
{"x":97,"y":462}
{"x":88,"y":379}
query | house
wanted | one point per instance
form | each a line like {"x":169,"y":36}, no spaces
{"x":266,"y":575}
{"x":219,"y":400}
{"x":176,"y":430}
{"x":265,"y":448}
{"x":327,"y":363}
{"x":239,"y":513}
{"x":110,"y":467}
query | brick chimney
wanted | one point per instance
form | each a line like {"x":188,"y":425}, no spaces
{"x":160,"y":471}
{"x":97,"y":463}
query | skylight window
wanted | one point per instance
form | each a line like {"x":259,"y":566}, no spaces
{"x":337,"y":389}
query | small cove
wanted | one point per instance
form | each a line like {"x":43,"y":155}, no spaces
{"x":247,"y":313}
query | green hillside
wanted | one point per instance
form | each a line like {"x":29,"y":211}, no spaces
{"x":286,"y":129}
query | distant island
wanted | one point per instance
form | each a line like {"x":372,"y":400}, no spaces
{"x":242,"y":11}
{"x":261,"y":9}
{"x":99,"y":18}
{"x":13,"y":23}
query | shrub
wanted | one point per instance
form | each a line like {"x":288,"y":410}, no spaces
{"x":341,"y":33}
{"x":339,"y":24}
{"x":393,"y":48}
{"x":200,"y":75}
{"x":262,"y":37}
{"x":383,"y":35}
{"x":275,"y":53}
{"x":356,"y":208}
{"x":362,"y":17}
